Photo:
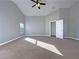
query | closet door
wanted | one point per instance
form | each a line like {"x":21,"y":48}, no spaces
{"x":59,"y":29}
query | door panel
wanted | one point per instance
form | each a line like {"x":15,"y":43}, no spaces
{"x":59,"y":29}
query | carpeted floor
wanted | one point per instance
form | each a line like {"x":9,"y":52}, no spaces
{"x":22,"y":49}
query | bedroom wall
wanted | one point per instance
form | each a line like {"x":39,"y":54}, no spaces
{"x":35,"y":26}
{"x":61,"y":13}
{"x":74,"y":21}
{"x":10,"y":17}
{"x":65,"y":15}
{"x":51,"y":17}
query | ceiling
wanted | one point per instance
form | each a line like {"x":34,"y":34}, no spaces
{"x":51,"y":5}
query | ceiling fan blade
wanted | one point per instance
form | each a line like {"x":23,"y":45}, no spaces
{"x":38,"y":7}
{"x":37,"y":1}
{"x":34,"y":5}
{"x":34,"y":1}
{"x":42,"y":3}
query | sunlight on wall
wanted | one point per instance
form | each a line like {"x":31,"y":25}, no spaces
{"x":44,"y":45}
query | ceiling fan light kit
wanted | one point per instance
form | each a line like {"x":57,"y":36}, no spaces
{"x":38,"y":5}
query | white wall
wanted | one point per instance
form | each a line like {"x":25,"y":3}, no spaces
{"x":35,"y":26}
{"x":10,"y":17}
{"x":64,"y":14}
{"x":74,"y":21}
{"x":71,"y":20}
{"x":51,"y":17}
{"x":61,"y":13}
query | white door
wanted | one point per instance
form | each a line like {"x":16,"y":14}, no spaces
{"x":59,"y":29}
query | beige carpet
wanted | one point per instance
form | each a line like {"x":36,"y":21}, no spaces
{"x":22,"y":49}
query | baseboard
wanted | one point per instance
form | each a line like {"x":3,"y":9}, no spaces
{"x":11,"y":40}
{"x":72,"y":38}
{"x":36,"y":35}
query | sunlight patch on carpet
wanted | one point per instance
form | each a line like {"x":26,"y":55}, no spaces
{"x":44,"y":45}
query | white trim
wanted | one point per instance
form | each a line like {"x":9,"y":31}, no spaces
{"x":50,"y":26}
{"x":11,"y":40}
{"x":36,"y":35}
{"x":72,"y":38}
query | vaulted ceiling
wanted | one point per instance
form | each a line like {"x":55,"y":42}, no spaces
{"x":51,"y":5}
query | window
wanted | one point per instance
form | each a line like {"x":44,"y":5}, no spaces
{"x":21,"y":28}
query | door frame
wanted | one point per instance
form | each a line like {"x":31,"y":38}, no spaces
{"x":50,"y":22}
{"x":50,"y":27}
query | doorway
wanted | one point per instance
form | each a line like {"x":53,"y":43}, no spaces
{"x":56,"y":29}
{"x":53,"y":29}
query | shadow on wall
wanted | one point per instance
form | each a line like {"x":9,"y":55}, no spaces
{"x":44,"y":45}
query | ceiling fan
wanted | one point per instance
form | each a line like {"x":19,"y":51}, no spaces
{"x":37,"y":3}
